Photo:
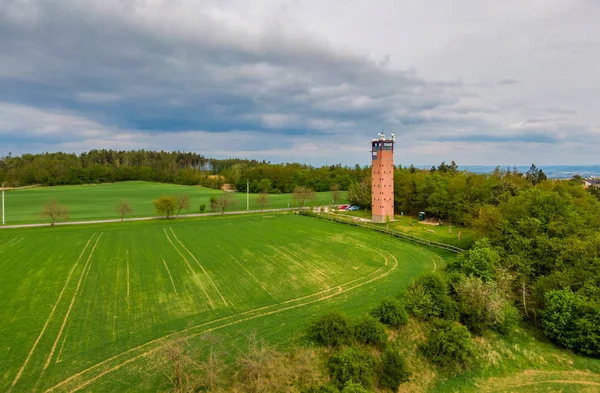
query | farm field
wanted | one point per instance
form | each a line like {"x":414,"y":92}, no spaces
{"x":98,"y":201}
{"x":85,"y":308}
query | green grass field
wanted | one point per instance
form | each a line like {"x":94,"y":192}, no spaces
{"x":98,"y":201}
{"x":85,"y":308}
{"x":410,"y":225}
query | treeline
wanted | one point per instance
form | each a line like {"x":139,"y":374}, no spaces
{"x":102,"y":166}
{"x":446,"y":193}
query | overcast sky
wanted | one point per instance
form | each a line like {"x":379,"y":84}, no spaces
{"x":480,"y":82}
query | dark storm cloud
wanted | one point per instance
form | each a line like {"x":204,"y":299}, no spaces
{"x":112,"y":65}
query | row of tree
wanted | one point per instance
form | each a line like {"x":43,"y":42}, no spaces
{"x":101,"y":166}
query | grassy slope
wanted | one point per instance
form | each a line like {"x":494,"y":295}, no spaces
{"x":410,"y":225}
{"x":274,"y":273}
{"x":98,"y":201}
{"x":519,"y":362}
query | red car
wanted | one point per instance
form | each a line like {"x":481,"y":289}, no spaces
{"x":342,"y":207}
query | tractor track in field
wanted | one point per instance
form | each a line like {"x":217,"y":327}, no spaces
{"x":84,"y":274}
{"x":201,"y":267}
{"x":81,"y":379}
{"x":200,"y":284}
{"x":37,"y":341}
{"x":12,"y":243}
{"x":243,"y":267}
{"x":170,"y":276}
{"x":295,"y":262}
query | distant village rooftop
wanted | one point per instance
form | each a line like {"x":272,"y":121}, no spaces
{"x":591,"y":181}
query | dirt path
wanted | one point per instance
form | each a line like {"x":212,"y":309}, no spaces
{"x":538,"y":381}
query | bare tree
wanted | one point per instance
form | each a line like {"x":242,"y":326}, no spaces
{"x":262,"y":199}
{"x":302,"y":194}
{"x":183,"y":203}
{"x":262,"y":368}
{"x":211,"y":370}
{"x":336,"y":195}
{"x":225,"y":201}
{"x":185,"y":373}
{"x":123,"y":208}
{"x":54,"y":211}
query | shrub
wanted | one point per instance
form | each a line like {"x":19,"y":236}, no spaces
{"x":427,"y":298}
{"x":202,"y":208}
{"x":391,"y":312}
{"x":351,"y":387}
{"x":481,"y":306}
{"x":370,"y":331}
{"x":480,"y":261}
{"x":573,"y":319}
{"x":509,"y":319}
{"x":449,"y":346}
{"x":322,"y":389}
{"x":352,"y":365}
{"x":332,"y":328}
{"x":394,"y":370}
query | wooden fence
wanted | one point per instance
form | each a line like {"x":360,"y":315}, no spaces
{"x":392,"y":232}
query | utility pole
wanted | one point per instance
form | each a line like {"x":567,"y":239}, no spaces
{"x":3,"y":203}
{"x":247,"y":194}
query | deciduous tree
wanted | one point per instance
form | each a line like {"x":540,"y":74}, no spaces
{"x":303,"y":194}
{"x":165,"y":205}
{"x":262,"y":199}
{"x":54,"y":211}
{"x":123,"y":208}
{"x":225,"y":201}
{"x":183,"y":203}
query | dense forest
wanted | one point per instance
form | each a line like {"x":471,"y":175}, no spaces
{"x":103,"y":166}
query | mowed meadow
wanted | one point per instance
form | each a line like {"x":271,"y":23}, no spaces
{"x":88,"y":307}
{"x":98,"y":201}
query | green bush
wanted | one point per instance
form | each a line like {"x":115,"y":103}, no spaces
{"x":481,"y":306}
{"x":332,"y":329}
{"x":352,"y":365}
{"x":354,"y":388}
{"x":394,"y":370}
{"x":509,"y":319}
{"x":428,"y":297}
{"x":482,"y":260}
{"x":322,"y":389}
{"x":573,"y":319}
{"x":391,"y":312}
{"x":370,"y":331}
{"x":449,"y":346}
{"x":202,"y":208}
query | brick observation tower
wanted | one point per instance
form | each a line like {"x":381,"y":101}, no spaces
{"x":382,"y":178}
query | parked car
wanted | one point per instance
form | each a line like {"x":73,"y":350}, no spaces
{"x":343,"y":207}
{"x":352,"y":208}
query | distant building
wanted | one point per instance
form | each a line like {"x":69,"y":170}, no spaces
{"x":382,"y":178}
{"x":592,"y":181}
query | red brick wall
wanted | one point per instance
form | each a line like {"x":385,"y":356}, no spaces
{"x":382,"y":179}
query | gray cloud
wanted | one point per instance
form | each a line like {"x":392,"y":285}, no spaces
{"x":126,"y":74}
